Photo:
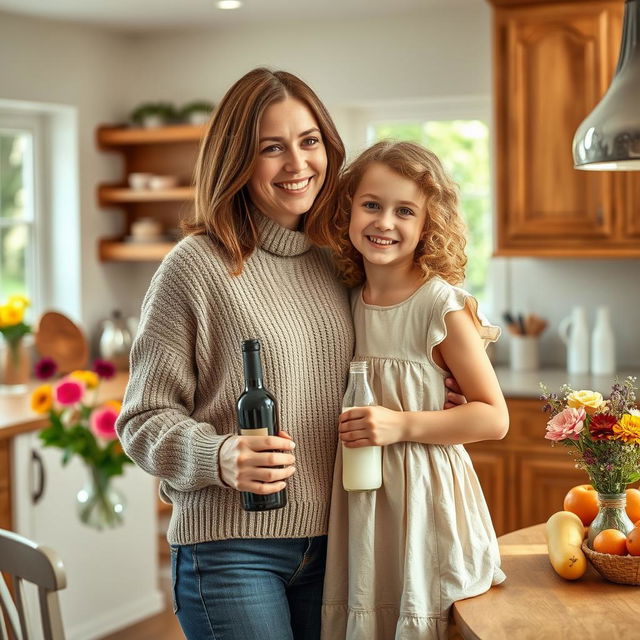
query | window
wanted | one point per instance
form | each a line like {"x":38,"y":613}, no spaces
{"x":17,"y":207}
{"x":463,"y":148}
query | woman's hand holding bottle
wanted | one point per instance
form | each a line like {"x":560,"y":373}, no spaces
{"x":258,"y":464}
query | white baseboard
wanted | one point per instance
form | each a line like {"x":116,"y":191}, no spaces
{"x":116,"y":619}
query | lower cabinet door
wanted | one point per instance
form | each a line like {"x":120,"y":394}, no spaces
{"x":491,"y":471}
{"x":542,"y":482}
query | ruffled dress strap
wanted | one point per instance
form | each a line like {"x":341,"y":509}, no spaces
{"x":447,"y":298}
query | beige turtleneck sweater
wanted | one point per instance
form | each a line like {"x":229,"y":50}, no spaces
{"x":186,"y":374}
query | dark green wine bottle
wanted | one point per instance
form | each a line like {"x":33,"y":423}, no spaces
{"x":257,"y":412}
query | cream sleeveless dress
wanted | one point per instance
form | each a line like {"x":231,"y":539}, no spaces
{"x":425,"y":538}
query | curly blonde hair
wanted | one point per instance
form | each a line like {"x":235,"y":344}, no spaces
{"x":440,"y":250}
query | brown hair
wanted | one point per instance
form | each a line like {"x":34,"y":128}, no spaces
{"x":440,"y":250}
{"x":227,"y":158}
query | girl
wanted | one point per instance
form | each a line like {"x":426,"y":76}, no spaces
{"x":425,"y":539}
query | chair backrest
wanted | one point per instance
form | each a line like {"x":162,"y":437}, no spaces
{"x":27,"y":561}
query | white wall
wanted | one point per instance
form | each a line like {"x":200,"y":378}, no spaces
{"x":349,"y":63}
{"x":65,"y":69}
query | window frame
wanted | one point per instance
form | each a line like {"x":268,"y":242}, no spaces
{"x":11,"y":120}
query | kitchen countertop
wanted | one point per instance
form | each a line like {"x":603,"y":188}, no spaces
{"x":526,"y":384}
{"x":16,"y":415}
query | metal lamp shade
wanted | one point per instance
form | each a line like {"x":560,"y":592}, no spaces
{"x":609,"y":137}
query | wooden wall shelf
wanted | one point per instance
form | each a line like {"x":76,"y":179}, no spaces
{"x":116,"y":249}
{"x":109,"y":194}
{"x":170,"y":151}
{"x":109,"y":136}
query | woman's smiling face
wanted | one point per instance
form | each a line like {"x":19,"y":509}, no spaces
{"x":388,"y":215}
{"x":291,"y":165}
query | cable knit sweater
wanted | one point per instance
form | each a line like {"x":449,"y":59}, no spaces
{"x":186,"y":374}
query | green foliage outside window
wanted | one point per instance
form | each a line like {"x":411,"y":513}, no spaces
{"x":463,"y":149}
{"x":14,"y":232}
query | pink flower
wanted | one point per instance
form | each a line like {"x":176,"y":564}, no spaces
{"x":103,"y":423}
{"x":68,"y":392}
{"x":566,"y":425}
{"x":104,"y":369}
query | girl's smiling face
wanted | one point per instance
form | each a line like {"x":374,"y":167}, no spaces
{"x":291,"y":165}
{"x":388,"y":215}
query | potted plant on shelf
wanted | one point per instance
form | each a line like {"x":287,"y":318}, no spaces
{"x":153,"y":114}
{"x":197,"y":112}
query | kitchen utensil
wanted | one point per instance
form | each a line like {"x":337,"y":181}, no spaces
{"x":157,"y":183}
{"x":60,"y":339}
{"x":524,"y":353}
{"x":139,"y":181}
{"x":115,"y":341}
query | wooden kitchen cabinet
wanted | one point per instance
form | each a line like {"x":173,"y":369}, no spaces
{"x":553,"y":61}
{"x":524,"y":478}
{"x":5,"y":485}
{"x":170,"y":150}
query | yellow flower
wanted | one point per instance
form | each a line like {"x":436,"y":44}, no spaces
{"x":42,"y":398}
{"x":89,"y":378}
{"x":591,"y":400}
{"x":10,"y":315}
{"x":628,"y":429}
{"x":22,"y":302}
{"x":114,"y":404}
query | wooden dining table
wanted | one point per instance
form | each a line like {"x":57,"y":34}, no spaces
{"x":536,"y":603}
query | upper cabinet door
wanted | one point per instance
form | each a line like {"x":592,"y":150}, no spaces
{"x":553,"y":63}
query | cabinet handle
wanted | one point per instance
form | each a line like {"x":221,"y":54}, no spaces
{"x":36,"y":495}
{"x":599,"y":214}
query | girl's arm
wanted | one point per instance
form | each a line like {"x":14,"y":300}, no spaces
{"x":484,"y":417}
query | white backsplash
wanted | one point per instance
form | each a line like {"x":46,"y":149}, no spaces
{"x":550,"y":288}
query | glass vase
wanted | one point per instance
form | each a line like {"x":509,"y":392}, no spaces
{"x":14,"y":367}
{"x":611,"y":515}
{"x":99,"y":504}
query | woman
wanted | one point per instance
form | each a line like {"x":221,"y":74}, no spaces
{"x":250,"y":268}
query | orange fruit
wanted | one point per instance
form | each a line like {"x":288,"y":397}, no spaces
{"x":583,"y":501}
{"x":633,"y":541}
{"x":633,"y":504}
{"x":611,"y":541}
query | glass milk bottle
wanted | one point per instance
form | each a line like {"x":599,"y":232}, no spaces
{"x":362,"y":466}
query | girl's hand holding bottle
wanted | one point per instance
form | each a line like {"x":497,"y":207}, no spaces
{"x":258,"y":464}
{"x":371,"y":426}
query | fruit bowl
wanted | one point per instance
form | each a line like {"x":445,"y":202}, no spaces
{"x":620,"y":569}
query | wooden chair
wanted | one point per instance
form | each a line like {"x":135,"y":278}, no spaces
{"x":25,"y":560}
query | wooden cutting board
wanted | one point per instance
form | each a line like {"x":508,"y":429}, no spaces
{"x":60,"y":339}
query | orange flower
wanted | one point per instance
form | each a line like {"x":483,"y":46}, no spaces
{"x":90,"y":378}
{"x":628,"y":429}
{"x":114,"y":404}
{"x":42,"y":398}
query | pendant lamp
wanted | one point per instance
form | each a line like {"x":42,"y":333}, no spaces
{"x":609,"y":137}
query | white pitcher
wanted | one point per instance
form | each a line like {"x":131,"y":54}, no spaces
{"x":574,"y":332}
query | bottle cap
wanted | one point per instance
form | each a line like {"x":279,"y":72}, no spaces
{"x":251,"y":345}
{"x":358,"y":366}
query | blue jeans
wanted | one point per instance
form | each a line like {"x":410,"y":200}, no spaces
{"x":249,"y":589}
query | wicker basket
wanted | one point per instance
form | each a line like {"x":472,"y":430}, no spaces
{"x":620,"y":569}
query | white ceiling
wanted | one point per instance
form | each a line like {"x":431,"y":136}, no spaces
{"x":151,"y":15}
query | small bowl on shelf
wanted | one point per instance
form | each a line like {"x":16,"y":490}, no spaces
{"x":139,"y":181}
{"x":619,"y":569}
{"x":159,"y":183}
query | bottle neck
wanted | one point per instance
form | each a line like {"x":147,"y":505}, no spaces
{"x":252,"y":370}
